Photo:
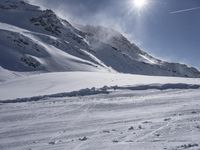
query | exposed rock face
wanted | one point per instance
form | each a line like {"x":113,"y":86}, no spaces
{"x":49,"y":21}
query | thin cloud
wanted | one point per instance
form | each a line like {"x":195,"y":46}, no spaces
{"x":185,"y":10}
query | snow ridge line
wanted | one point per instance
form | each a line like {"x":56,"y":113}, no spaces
{"x":83,"y":92}
{"x":161,"y":86}
{"x":104,"y":90}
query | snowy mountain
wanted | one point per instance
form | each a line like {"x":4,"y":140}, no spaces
{"x":61,"y":88}
{"x":41,"y":41}
{"x":128,"y":58}
{"x":35,"y":40}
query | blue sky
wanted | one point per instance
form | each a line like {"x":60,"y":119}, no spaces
{"x":169,"y":36}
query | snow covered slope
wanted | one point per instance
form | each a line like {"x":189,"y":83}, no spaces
{"x":62,"y":82}
{"x":7,"y":75}
{"x":32,"y":39}
{"x":116,"y":51}
{"x":41,"y":41}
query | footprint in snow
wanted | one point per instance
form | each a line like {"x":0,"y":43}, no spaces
{"x":157,"y":134}
{"x":106,"y":131}
{"x":130,"y":141}
{"x":140,"y":127}
{"x":54,"y":142}
{"x":167,"y":119}
{"x":83,"y":139}
{"x":146,"y":122}
{"x":131,"y":128}
{"x":187,"y":146}
{"x":115,"y":141}
{"x":193,"y":112}
{"x":198,"y":127}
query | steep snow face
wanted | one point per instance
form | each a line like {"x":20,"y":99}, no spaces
{"x":41,"y":41}
{"x":116,"y":51}
{"x":38,"y":40}
{"x":22,"y":50}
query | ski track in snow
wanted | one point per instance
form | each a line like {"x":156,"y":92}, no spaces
{"x":167,"y":119}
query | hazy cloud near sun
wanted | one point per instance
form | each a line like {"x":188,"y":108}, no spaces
{"x":92,"y":12}
{"x":107,"y":13}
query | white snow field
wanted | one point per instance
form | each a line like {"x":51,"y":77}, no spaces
{"x":140,"y":113}
{"x":123,"y":119}
{"x":53,"y":83}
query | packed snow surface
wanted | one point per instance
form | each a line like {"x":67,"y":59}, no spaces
{"x":122,"y":119}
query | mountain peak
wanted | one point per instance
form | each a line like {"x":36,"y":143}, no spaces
{"x":49,"y":21}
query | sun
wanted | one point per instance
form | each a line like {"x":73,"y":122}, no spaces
{"x":139,"y":3}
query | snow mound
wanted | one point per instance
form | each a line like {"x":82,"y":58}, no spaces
{"x":65,"y":82}
{"x":160,"y":86}
{"x":104,"y":90}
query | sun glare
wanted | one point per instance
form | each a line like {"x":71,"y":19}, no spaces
{"x":139,"y":3}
